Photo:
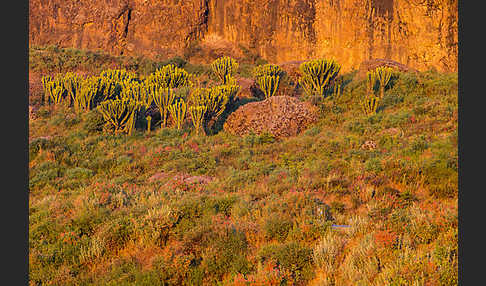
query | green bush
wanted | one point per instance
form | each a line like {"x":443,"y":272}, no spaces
{"x":277,"y":228}
{"x":79,"y":173}
{"x":292,"y":256}
{"x":374,"y":165}
{"x":93,"y":121}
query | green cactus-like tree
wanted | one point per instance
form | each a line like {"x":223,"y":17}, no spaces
{"x":45,"y":82}
{"x":108,"y":88}
{"x":197,"y":116}
{"x":118,"y":75}
{"x":178,"y":112}
{"x":268,"y":84}
{"x":54,"y":90}
{"x":224,"y":67}
{"x":119,"y":114}
{"x":162,"y":98}
{"x":84,"y":99}
{"x":56,"y":93}
{"x":138,"y":91}
{"x":266,"y":70}
{"x":149,"y":120}
{"x":316,"y":75}
{"x":214,"y":98}
{"x":72,"y":82}
{"x":370,"y":83}
{"x":268,"y":78}
{"x":383,"y":75}
{"x":169,"y":76}
{"x":370,"y":104}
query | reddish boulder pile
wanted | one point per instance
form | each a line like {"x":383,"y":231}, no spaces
{"x":282,"y":116}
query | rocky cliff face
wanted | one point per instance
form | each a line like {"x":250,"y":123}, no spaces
{"x":418,"y":33}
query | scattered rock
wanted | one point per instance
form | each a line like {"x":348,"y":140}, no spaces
{"x":291,"y":68}
{"x":32,"y":111}
{"x":181,"y":178}
{"x":157,"y":177}
{"x":248,"y":88}
{"x":204,"y":180}
{"x":282,"y":116}
{"x":369,"y":145}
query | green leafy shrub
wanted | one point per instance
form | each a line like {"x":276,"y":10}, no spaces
{"x":292,"y":257}
{"x":374,"y":165}
{"x":79,"y":173}
{"x":93,"y":121}
{"x":277,"y":228}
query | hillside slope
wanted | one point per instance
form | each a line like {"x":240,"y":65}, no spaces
{"x":325,"y":207}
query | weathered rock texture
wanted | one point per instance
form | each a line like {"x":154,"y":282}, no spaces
{"x":420,"y":34}
{"x":282,"y":116}
{"x":369,"y":65}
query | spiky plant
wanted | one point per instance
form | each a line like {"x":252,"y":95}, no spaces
{"x":54,"y":90}
{"x":268,"y":84}
{"x":266,"y":70}
{"x":45,"y":83}
{"x":56,"y":93}
{"x":149,"y":120}
{"x":224,"y":66}
{"x":84,"y":100}
{"x":230,"y":80}
{"x":383,"y":74}
{"x":118,"y":75}
{"x":138,"y":91}
{"x":178,"y":112}
{"x":169,"y":76}
{"x":336,"y":90}
{"x":214,"y":98}
{"x":162,"y":98}
{"x":370,"y":82}
{"x":316,"y":75}
{"x":197,"y":116}
{"x":119,"y":114}
{"x":108,"y":89}
{"x":370,"y":104}
{"x":72,"y":82}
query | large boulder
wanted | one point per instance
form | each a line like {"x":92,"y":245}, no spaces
{"x":282,"y":116}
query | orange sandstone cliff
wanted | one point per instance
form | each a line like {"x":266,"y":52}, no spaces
{"x":418,"y":33}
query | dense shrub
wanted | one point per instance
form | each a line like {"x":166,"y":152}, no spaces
{"x":291,"y":257}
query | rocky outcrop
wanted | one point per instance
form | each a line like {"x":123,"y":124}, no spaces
{"x":248,"y":88}
{"x":282,"y":116}
{"x":375,"y":63}
{"x":419,"y":34}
